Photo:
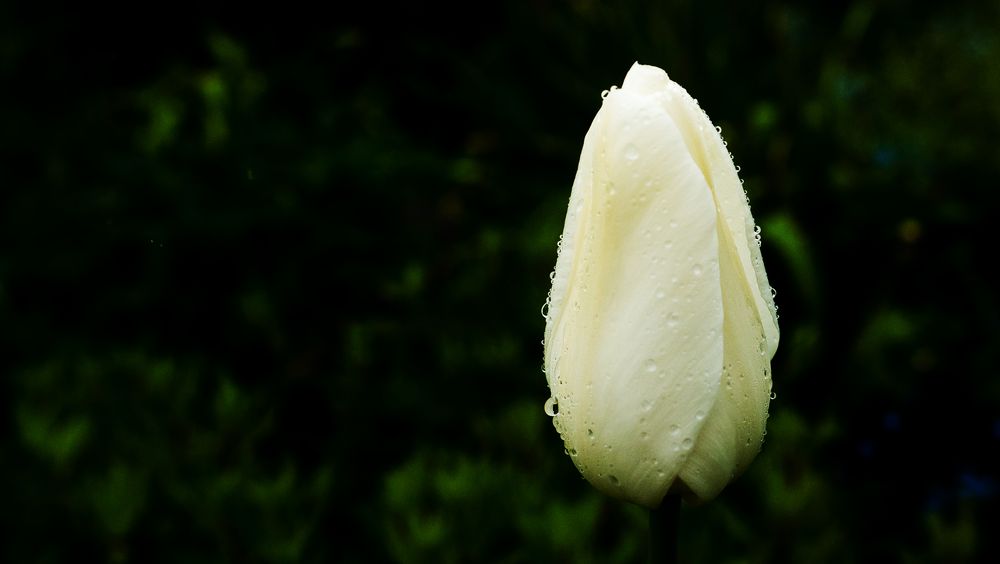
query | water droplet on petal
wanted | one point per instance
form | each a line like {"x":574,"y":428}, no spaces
{"x":631,"y":152}
{"x":551,"y":407}
{"x":613,"y":479}
{"x":650,"y":365}
{"x":672,"y":320}
{"x":686,"y":443}
{"x":605,"y":94}
{"x":675,"y":430}
{"x":696,"y":270}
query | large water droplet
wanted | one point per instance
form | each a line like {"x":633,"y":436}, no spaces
{"x":552,"y":407}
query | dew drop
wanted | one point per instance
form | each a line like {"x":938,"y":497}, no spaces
{"x":590,"y":434}
{"x":718,"y":128}
{"x":613,"y":479}
{"x":675,"y":430}
{"x":631,"y":152}
{"x":699,"y":416}
{"x":650,"y":365}
{"x":686,"y":443}
{"x":605,"y":94}
{"x":644,"y":435}
{"x":773,"y":395}
{"x":551,"y":407}
{"x":696,"y":270}
{"x":672,"y":320}
{"x":660,"y":294}
{"x":647,"y":405}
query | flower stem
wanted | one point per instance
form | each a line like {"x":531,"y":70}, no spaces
{"x":663,"y":523}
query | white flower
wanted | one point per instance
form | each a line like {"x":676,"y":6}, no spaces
{"x":660,"y":325}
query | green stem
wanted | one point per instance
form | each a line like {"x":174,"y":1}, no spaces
{"x":663,"y":523}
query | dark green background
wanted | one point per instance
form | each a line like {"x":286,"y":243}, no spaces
{"x":270,"y":281}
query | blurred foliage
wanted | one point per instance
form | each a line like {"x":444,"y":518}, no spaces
{"x":270,"y":293}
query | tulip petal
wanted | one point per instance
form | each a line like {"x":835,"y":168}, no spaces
{"x":634,"y":344}
{"x":731,"y":438}
{"x":708,"y":149}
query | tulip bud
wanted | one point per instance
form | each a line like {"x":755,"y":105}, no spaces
{"x":660,"y":324}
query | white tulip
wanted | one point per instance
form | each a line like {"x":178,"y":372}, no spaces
{"x":661,"y":324}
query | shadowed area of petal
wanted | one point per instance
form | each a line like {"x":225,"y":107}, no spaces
{"x":731,"y":438}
